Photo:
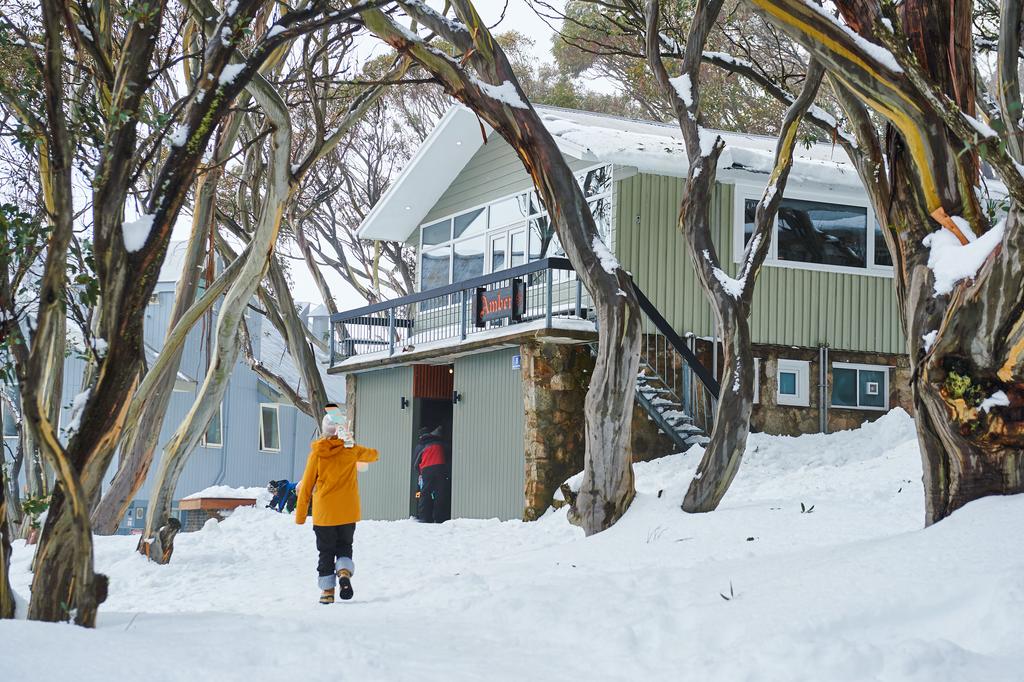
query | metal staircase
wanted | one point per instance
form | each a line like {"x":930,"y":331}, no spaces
{"x":678,"y":392}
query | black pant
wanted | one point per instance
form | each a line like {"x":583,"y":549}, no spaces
{"x":333,"y":542}
{"x":435,"y":496}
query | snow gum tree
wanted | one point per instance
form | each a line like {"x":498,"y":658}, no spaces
{"x":479,"y":75}
{"x":92,"y":70}
{"x":270,"y":184}
{"x":913,"y":64}
{"x":731,"y":298}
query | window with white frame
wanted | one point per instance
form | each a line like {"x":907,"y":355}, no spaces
{"x":270,"y":431}
{"x":793,"y":383}
{"x":503,"y":234}
{"x":840,"y":235}
{"x":860,"y":387}
{"x":757,"y":380}
{"x":139,"y":511}
{"x":10,"y":421}
{"x":214,"y":435}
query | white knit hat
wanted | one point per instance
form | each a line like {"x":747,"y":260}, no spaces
{"x":328,"y":426}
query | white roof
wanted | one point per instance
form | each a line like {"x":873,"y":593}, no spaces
{"x":170,"y":271}
{"x":648,"y":146}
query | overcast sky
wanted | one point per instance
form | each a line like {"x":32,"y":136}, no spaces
{"x":518,"y":16}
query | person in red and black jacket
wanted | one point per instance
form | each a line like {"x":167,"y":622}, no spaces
{"x":432,"y":463}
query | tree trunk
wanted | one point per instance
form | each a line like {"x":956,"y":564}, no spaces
{"x":227,"y":339}
{"x":142,"y":434}
{"x":968,"y":452}
{"x":724,"y":452}
{"x":6,"y":593}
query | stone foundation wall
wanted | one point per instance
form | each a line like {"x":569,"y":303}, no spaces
{"x":770,"y":417}
{"x":648,"y":441}
{"x":555,"y":381}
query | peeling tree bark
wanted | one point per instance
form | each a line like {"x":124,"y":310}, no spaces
{"x":975,"y":334}
{"x":6,"y":593}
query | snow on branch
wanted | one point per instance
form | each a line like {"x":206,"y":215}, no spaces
{"x":505,"y":93}
{"x":952,"y":262}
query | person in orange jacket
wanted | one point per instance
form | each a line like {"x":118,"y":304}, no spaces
{"x":331,"y":468}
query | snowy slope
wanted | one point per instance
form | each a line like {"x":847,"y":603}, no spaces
{"x":854,"y":590}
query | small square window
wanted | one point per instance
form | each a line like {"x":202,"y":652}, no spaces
{"x":139,"y":511}
{"x":871,"y":388}
{"x":793,"y":383}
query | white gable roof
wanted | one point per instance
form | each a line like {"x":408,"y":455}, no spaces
{"x":648,"y":146}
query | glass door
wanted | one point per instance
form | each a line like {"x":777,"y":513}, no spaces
{"x":498,"y":250}
{"x":517,"y":247}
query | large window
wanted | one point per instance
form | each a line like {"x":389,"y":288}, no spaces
{"x":214,"y":436}
{"x":861,"y":387}
{"x":270,"y":428}
{"x":827,"y":235}
{"x":506,"y":233}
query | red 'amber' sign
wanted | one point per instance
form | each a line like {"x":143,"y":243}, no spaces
{"x":500,"y":304}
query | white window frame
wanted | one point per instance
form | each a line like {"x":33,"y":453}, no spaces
{"x":220,"y":416}
{"x":277,"y":411}
{"x":757,"y":380}
{"x":802,"y":369}
{"x":610,"y":195}
{"x":832,"y":195}
{"x":884,"y":369}
{"x":4,"y":412}
{"x":139,"y":512}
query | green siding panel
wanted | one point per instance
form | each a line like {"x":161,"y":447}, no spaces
{"x":382,"y":424}
{"x":791,"y":306}
{"x":488,"y":460}
{"x":494,"y":172}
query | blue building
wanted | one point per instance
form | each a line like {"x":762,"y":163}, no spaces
{"x":257,"y":436}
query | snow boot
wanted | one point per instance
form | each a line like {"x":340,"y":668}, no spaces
{"x":327,"y":596}
{"x":345,"y":584}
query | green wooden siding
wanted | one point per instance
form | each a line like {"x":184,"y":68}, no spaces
{"x":488,"y":459}
{"x":381,"y":423}
{"x":791,"y":306}
{"x":494,"y":172}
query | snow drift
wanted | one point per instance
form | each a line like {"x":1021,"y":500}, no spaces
{"x":816,"y":567}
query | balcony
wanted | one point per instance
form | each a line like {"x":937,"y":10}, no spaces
{"x":540,"y":299}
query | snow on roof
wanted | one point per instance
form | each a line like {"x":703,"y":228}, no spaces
{"x":658,"y":147}
{"x":226,"y":492}
{"x":648,"y":146}
{"x":275,"y":357}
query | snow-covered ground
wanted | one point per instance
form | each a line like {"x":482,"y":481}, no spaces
{"x":852,"y":590}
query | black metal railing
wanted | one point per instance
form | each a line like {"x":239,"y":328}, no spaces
{"x":676,"y":378}
{"x":446,"y":314}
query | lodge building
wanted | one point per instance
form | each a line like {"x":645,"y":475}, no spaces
{"x":496,"y":343}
